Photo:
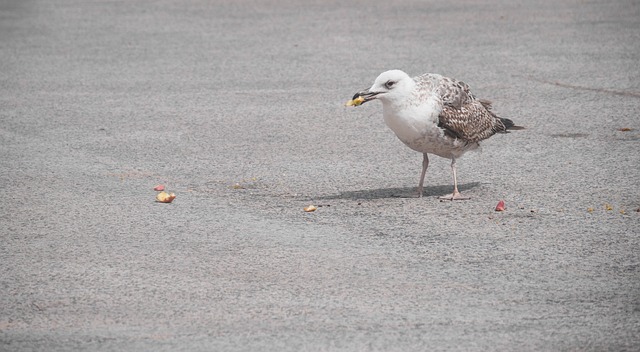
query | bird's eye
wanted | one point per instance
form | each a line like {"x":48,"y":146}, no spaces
{"x":389,"y":84}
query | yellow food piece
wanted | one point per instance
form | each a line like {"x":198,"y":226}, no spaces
{"x":310,"y":208}
{"x":608,"y":206}
{"x":355,"y":102}
{"x":164,"y":197}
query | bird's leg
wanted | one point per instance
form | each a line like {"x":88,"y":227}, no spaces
{"x":455,"y":195}
{"x":425,"y":164}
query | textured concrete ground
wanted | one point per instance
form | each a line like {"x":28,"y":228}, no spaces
{"x":102,"y":100}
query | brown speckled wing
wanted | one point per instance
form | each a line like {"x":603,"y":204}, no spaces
{"x":454,"y":93}
{"x":463,"y":116}
{"x":472,"y":122}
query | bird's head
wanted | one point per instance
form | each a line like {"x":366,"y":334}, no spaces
{"x":390,"y":87}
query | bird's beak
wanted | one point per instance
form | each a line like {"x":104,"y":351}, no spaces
{"x":366,"y":94}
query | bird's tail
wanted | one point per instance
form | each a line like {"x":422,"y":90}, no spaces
{"x":510,"y":125}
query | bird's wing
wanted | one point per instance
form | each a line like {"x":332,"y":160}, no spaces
{"x":471,"y":122}
{"x":453,"y":92}
{"x":463,"y":116}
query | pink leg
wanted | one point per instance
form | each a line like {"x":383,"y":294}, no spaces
{"x":425,"y":164}
{"x":455,"y":195}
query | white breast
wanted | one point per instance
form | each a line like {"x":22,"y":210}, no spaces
{"x":417,"y":127}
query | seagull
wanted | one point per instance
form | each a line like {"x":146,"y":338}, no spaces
{"x":433,"y":114}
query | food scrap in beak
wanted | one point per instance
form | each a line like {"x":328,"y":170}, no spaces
{"x":357,"y":100}
{"x":361,"y":98}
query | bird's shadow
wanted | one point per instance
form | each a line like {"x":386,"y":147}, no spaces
{"x":400,"y":192}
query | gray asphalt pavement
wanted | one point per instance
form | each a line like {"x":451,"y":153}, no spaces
{"x":237,"y":107}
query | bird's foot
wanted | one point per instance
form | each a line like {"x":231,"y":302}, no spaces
{"x":454,"y":196}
